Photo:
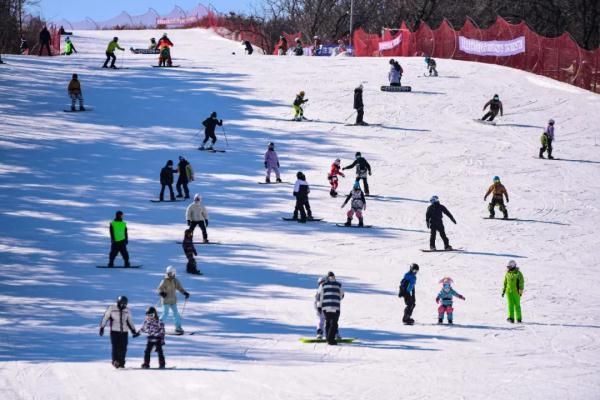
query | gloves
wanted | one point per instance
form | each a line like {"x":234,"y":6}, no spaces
{"x":186,"y":295}
{"x":502,"y":293}
{"x":136,"y":334}
{"x":508,"y":201}
{"x":265,"y":165}
{"x":369,"y":174}
{"x":462,"y":298}
{"x":221,"y":122}
{"x":206,"y":222}
{"x":437,"y":300}
{"x":342,"y":206}
{"x":520,"y":293}
{"x":101,"y":331}
{"x":428,"y":226}
{"x":320,"y":310}
{"x":277,"y":164}
{"x":163,"y":294}
{"x":189,"y":222}
{"x":485,"y":198}
{"x":454,"y":222}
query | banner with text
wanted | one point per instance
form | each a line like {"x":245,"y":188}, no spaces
{"x":497,"y":48}
{"x":390,"y":44}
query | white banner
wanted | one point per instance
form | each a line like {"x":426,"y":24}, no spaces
{"x":390,"y":44}
{"x":498,"y":48}
{"x":176,"y":21}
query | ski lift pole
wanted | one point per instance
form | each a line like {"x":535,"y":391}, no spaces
{"x":224,"y":134}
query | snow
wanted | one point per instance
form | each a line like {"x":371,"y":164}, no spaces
{"x":63,"y":175}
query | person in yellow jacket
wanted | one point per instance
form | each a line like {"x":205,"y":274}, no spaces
{"x":514,"y":284}
{"x":498,"y":192}
{"x":118,"y":240}
{"x":74,"y":90}
{"x":110,"y":52}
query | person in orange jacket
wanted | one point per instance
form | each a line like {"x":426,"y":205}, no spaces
{"x":498,"y":192}
{"x":164,"y":45}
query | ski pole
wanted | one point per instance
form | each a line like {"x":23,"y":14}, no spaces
{"x":183,"y":308}
{"x":225,"y":135}
{"x":348,"y":117}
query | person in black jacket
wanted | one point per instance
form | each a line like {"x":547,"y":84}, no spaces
{"x":433,"y":218}
{"x":362,"y":169}
{"x":166,"y":179}
{"x":210,"y":124}
{"x":249,"y":48}
{"x":301,"y":191}
{"x":183,"y":179}
{"x":190,"y":251}
{"x":495,"y":107}
{"x":45,"y":40}
{"x":359,"y":106}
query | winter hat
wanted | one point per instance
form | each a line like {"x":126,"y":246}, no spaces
{"x":213,"y":114}
{"x":119,"y":214}
{"x":197,"y":197}
{"x":512,"y":264}
{"x":271,"y":145}
{"x":414,"y":267}
{"x":337,"y":161}
{"x":171,"y":270}
{"x":330,"y":274}
{"x":434,"y":199}
{"x":299,"y":175}
{"x":359,"y":87}
{"x":445,"y":280}
{"x":75,"y":76}
{"x":358,"y":154}
{"x":151,"y":311}
{"x":170,"y":162}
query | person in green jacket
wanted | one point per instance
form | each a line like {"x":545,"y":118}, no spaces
{"x":118,"y":240}
{"x":110,"y":52}
{"x":69,"y":47}
{"x":514,"y":284}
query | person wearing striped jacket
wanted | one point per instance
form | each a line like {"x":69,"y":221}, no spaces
{"x":330,"y":299}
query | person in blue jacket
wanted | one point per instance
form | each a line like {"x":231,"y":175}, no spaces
{"x":407,"y":291}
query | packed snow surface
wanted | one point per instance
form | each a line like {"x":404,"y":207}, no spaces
{"x":63,"y":176}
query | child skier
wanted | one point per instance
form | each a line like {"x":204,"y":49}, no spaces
{"x":332,"y":177}
{"x":155,"y":330}
{"x":190,"y":251}
{"x":395,"y":74}
{"x":498,"y":192}
{"x":320,"y":315}
{"x":167,"y":291}
{"x":495,"y":106}
{"x":362,"y":169}
{"x":69,"y":47}
{"x":301,"y":191}
{"x":358,"y":205}
{"x":407,"y":291}
{"x":210,"y":124}
{"x":272,"y":163}
{"x":431,"y":66}
{"x":433,"y":219}
{"x":121,"y":323}
{"x":298,"y":110}
{"x":74,"y":90}
{"x":445,"y":296}
{"x":513,"y":287}
{"x":547,"y":139}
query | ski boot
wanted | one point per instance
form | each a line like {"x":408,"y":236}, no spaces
{"x":448,"y":248}
{"x":267,"y":180}
{"x":179,"y":331}
{"x":348,"y":222}
{"x":81,"y":108}
{"x":511,"y":320}
{"x":492,"y":216}
{"x":409,"y":321}
{"x":450,"y":322}
{"x":333,"y":193}
{"x":550,"y":157}
{"x":73,"y":108}
{"x":519,"y":321}
{"x":432,"y":248}
{"x":440,"y":321}
{"x":278,"y":180}
{"x":162,"y":366}
{"x":505,"y":215}
{"x":145,"y":366}
{"x":319,"y":334}
{"x":360,"y":222}
{"x":116,"y":364}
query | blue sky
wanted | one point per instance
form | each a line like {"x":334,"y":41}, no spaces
{"x":75,"y":10}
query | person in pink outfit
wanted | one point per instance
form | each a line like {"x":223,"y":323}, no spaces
{"x":272,"y":163}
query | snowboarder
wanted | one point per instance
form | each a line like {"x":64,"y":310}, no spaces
{"x":407,"y":291}
{"x":445,"y":296}
{"x":248,"y":47}
{"x":118,"y":240}
{"x":164,"y":46}
{"x":298,"y":110}
{"x":190,"y":251}
{"x":272,"y":163}
{"x":167,"y":291}
{"x":358,"y":204}
{"x":359,"y":106}
{"x":362,"y":169}
{"x":110,"y":53}
{"x":498,"y":192}
{"x":121,"y":323}
{"x":152,"y":44}
{"x":547,"y":139}
{"x":513,"y":287}
{"x":155,"y":329}
{"x":301,"y":191}
{"x":196,"y":214}
{"x":69,"y":47}
{"x":166,"y":180}
{"x":333,"y":177}
{"x":395,"y":74}
{"x":282,"y":46}
{"x":74,"y":90}
{"x":495,"y":106}
{"x":319,"y":312}
{"x":298,"y":50}
{"x":45,"y":40}
{"x":431,"y":66}
{"x":210,"y":124}
{"x":330,"y":299}
{"x":433,"y":218}
{"x":186,"y":175}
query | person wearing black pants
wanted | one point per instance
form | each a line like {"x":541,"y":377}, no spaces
{"x":495,"y":107}
{"x":433,"y":219}
{"x":407,"y":291}
{"x":120,"y":324}
{"x":45,"y":40}
{"x":329,"y":302}
{"x":118,"y":239}
{"x":363,"y":168}
{"x":185,"y":175}
{"x":210,"y":125}
{"x":359,"y":106}
{"x":166,"y":180}
{"x":301,"y":191}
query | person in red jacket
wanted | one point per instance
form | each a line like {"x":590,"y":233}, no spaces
{"x":332,"y":177}
{"x":282,"y":46}
{"x":164,"y":45}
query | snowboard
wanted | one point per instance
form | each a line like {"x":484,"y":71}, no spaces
{"x":211,"y":150}
{"x":354,"y":226}
{"x":365,"y":124}
{"x":77,"y":110}
{"x":166,"y":201}
{"x":396,"y":88}
{"x":315,"y":340}
{"x":307,"y":220}
{"x":201,"y":242}
{"x":501,"y":219}
{"x":272,"y":183}
{"x":548,"y":159}
{"x":148,"y":369}
{"x":440,"y":250}
{"x":119,"y":266}
{"x":485,"y":122}
{"x":166,"y":66}
{"x":144,"y":51}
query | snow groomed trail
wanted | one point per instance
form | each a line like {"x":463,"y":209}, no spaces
{"x":63,"y":175}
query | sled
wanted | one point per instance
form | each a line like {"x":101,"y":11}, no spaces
{"x":501,"y":219}
{"x":315,"y":340}
{"x":441,"y":250}
{"x":396,"y":88}
{"x":119,"y":266}
{"x":307,"y":219}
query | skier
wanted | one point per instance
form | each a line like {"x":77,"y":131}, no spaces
{"x":272,"y":163}
{"x":298,"y":50}
{"x":498,"y":192}
{"x":395,"y":74}
{"x":45,"y":40}
{"x":167,"y":291}
{"x":282,"y":46}
{"x":164,"y":46}
{"x":407,"y":291}
{"x":514,"y":284}
{"x":433,"y":218}
{"x":431,"y":66}
{"x":298,"y":110}
{"x":186,"y":175}
{"x":121,"y":323}
{"x":155,"y":329}
{"x":495,"y":106}
{"x":362,"y":169}
{"x":210,"y":124}
{"x":196,"y":214}
{"x":74,"y":90}
{"x":445,"y":296}
{"x":110,"y":53}
{"x":249,"y":49}
{"x":166,"y":180}
{"x":547,"y":139}
{"x":359,"y":106}
{"x":358,"y":204}
{"x":330,"y":299}
{"x":333,"y":177}
{"x":319,"y":312}
{"x":301,"y":191}
{"x":69,"y":47}
{"x":118,"y":240}
{"x":190,"y":251}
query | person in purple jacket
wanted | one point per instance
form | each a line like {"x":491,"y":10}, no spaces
{"x":272,"y":163}
{"x":155,"y":330}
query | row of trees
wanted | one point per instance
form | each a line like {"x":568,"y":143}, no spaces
{"x":14,"y":25}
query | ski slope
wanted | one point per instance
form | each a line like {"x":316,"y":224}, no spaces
{"x":63,"y":176}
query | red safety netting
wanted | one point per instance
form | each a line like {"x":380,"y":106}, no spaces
{"x":559,"y":58}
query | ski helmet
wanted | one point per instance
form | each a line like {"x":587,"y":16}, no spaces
{"x":496,"y":97}
{"x":171,"y":271}
{"x":119,"y":214}
{"x":358,"y":154}
{"x":213,"y":114}
{"x":271,"y":145}
{"x":197,"y":197}
{"x":496,"y":178}
{"x":512,"y":264}
{"x":151,"y":311}
{"x":122,"y":302}
{"x":115,"y":39}
{"x":337,"y":162}
{"x":551,"y":122}
{"x":434,"y":199}
{"x":330,"y":274}
{"x":414,"y":267}
{"x":392,"y":61}
{"x":301,"y":93}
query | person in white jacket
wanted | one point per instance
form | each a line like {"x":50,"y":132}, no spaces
{"x":120,"y":324}
{"x":196,"y":215}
